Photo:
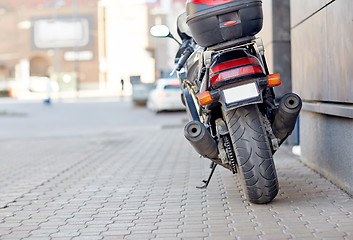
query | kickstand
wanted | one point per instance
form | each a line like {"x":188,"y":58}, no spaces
{"x":213,"y":166}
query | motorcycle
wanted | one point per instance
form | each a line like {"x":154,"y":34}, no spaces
{"x":235,"y":119}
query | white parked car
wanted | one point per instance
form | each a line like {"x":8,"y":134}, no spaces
{"x":165,"y":96}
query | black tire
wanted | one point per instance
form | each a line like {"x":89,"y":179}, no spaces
{"x":253,"y":153}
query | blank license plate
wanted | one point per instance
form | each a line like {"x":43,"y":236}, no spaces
{"x":240,"y":93}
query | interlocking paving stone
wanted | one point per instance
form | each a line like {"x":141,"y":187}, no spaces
{"x":140,"y":183}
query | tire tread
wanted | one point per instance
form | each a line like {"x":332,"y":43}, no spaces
{"x":253,"y":153}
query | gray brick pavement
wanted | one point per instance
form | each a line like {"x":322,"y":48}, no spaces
{"x":140,"y":184}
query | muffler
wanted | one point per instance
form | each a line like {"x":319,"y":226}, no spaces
{"x":286,"y":117}
{"x":201,"y":139}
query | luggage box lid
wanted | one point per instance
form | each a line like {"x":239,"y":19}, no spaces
{"x":197,"y":8}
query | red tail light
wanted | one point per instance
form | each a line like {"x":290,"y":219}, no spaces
{"x":233,"y":63}
{"x":234,"y":69}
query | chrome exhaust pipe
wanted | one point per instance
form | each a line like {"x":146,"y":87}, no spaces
{"x":198,"y":136}
{"x":286,"y":117}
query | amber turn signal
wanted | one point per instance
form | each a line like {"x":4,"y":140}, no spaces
{"x":274,"y":79}
{"x":204,"y":98}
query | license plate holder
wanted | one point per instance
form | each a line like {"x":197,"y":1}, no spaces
{"x":239,"y":95}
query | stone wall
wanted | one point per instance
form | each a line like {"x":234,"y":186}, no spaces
{"x":322,"y":74}
{"x":277,"y":40}
{"x":276,"y":37}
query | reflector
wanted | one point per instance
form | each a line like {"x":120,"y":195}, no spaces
{"x":229,"y":23}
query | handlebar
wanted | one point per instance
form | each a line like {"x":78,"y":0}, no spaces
{"x":182,"y":60}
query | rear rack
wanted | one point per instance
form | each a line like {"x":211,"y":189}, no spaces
{"x":233,"y":43}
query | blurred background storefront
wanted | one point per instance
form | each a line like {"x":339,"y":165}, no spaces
{"x":83,"y":44}
{"x":53,"y":39}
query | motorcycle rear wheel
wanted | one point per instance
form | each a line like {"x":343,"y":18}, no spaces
{"x":253,"y":153}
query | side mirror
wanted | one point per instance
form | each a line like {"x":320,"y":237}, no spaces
{"x":160,"y":31}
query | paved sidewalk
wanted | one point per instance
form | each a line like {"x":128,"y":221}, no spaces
{"x":139,"y":183}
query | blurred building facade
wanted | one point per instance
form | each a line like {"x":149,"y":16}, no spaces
{"x":126,"y":49}
{"x":124,"y":44}
{"x":165,"y":12}
{"x":53,"y":38}
{"x":86,"y":44}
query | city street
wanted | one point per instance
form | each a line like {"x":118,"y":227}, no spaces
{"x":101,"y":168}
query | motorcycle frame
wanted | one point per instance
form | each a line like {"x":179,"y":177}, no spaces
{"x":191,"y":88}
{"x":202,"y":82}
